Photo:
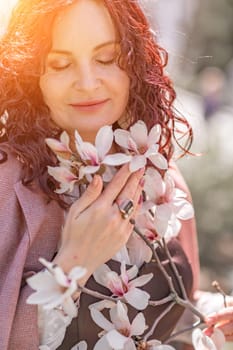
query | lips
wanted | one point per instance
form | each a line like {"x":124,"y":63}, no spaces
{"x":90,"y":103}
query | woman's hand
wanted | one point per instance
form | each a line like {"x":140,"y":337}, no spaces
{"x":94,"y":229}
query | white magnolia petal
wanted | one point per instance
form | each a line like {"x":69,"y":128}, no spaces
{"x":103,"y":141}
{"x":100,"y":320}
{"x":137,"y":162}
{"x":90,"y":169}
{"x":115,"y":339}
{"x":82,"y":345}
{"x":137,"y":298}
{"x":102,"y":344}
{"x":78,"y":138}
{"x":87,"y":151}
{"x":119,"y":316}
{"x":124,"y":276}
{"x":154,"y":185}
{"x":43,"y":297}
{"x":77,"y":272}
{"x":201,"y":341}
{"x":139,"y":252}
{"x":129,"y":345}
{"x":101,"y":274}
{"x":139,"y":133}
{"x":159,"y":161}
{"x":161,"y":227}
{"x":69,"y":307}
{"x":57,"y":146}
{"x":138,"y":325}
{"x":218,"y":338}
{"x":162,"y":347}
{"x":42,"y":280}
{"x":174,"y":227}
{"x":116,"y":159}
{"x":141,"y":281}
{"x":154,"y":134}
{"x":186,"y":211}
{"x":65,"y":139}
{"x":61,"y":174}
{"x":132,"y":272}
{"x":164,"y":211}
{"x":122,"y":137}
{"x":152,"y":151}
{"x":103,"y":304}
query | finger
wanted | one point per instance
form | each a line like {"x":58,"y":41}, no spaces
{"x":226,"y":328}
{"x":224,"y":314}
{"x":115,"y":186}
{"x":89,"y":196}
{"x":130,"y":189}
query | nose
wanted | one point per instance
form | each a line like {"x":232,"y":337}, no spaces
{"x":86,"y":78}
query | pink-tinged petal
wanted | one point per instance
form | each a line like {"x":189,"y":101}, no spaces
{"x":101,"y":274}
{"x":159,"y":161}
{"x":138,"y":325}
{"x":65,"y":139}
{"x":115,"y":284}
{"x":102,"y":344}
{"x":152,"y":343}
{"x":69,"y":307}
{"x":154,"y":185}
{"x":62,"y":174}
{"x":122,"y":137}
{"x":116,"y":159}
{"x":58,"y":146}
{"x":137,"y":162}
{"x":137,"y":298}
{"x":88,"y":152}
{"x":185,"y":211}
{"x":119,"y":316}
{"x":174,"y":227}
{"x":139,"y":252}
{"x":161,"y":347}
{"x":103,"y":141}
{"x":141,"y":281}
{"x":153,"y":150}
{"x":90,"y":169}
{"x":132,"y":146}
{"x":132,"y":272}
{"x":154,"y":135}
{"x":180,"y":194}
{"x":139,"y":133}
{"x":115,"y":339}
{"x":100,"y":320}
{"x":122,"y":255}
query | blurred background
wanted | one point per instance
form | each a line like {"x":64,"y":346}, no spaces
{"x":198,"y":35}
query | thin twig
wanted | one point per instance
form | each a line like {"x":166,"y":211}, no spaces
{"x":157,"y":320}
{"x":97,"y":294}
{"x":187,"y":329}
{"x":162,"y":301}
{"x":174,"y":268}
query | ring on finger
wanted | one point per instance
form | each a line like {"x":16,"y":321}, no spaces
{"x":126,"y":208}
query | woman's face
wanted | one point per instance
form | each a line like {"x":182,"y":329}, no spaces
{"x":82,"y":84}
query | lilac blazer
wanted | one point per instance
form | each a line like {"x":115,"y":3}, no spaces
{"x":29,"y":228}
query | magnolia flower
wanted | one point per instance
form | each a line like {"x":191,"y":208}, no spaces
{"x":54,"y":288}
{"x":142,"y":145}
{"x":61,"y":147}
{"x":169,"y":203}
{"x":118,"y":333}
{"x":96,"y":155}
{"x":65,"y":177}
{"x":124,"y":285}
{"x":201,"y":341}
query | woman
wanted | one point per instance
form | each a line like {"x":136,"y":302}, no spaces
{"x":77,"y":65}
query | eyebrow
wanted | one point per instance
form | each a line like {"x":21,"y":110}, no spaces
{"x":98,"y":47}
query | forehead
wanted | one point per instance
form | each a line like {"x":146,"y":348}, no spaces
{"x":85,"y":22}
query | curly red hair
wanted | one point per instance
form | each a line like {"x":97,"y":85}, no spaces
{"x":23,"y":49}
